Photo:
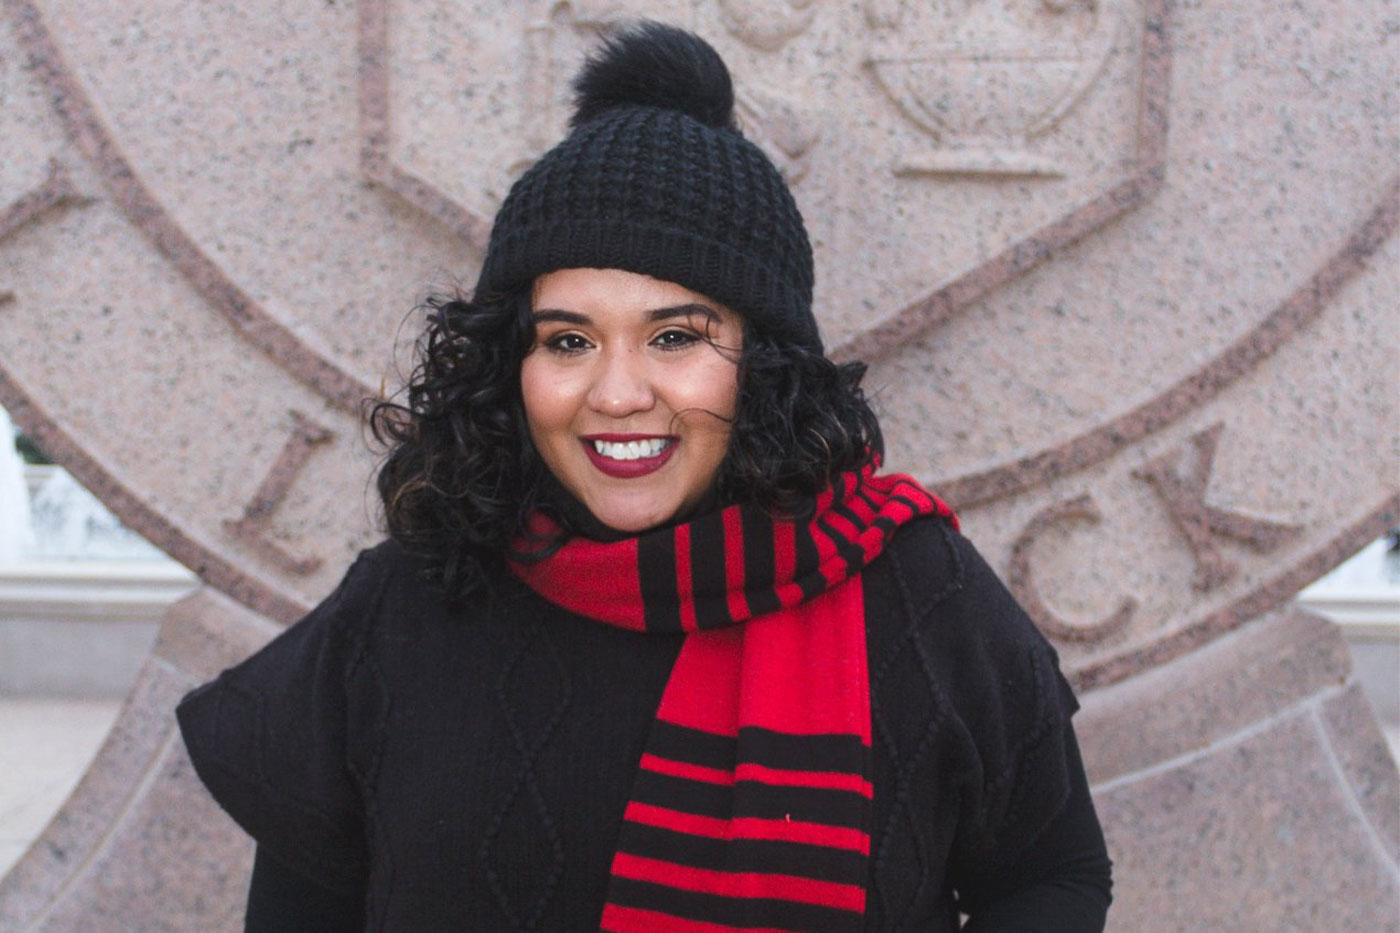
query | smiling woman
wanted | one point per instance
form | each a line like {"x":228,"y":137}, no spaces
{"x":630,"y":391}
{"x":653,"y":644}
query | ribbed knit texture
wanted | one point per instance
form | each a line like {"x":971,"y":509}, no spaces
{"x":656,"y":191}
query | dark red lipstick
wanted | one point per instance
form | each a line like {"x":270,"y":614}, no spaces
{"x":629,"y":469}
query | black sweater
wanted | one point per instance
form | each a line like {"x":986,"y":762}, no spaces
{"x":410,"y":765}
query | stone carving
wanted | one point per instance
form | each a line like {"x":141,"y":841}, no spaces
{"x":767,"y":25}
{"x":1020,"y":579}
{"x":1201,"y":523}
{"x":875,"y":339}
{"x":984,"y":79}
{"x":1271,"y":593}
{"x":554,"y":36}
{"x":1202,"y":385}
{"x":252,"y":527}
{"x":555,"y":44}
{"x":56,"y":190}
{"x":1052,"y":352}
{"x":376,"y":160}
{"x":145,"y":212}
{"x":776,"y":124}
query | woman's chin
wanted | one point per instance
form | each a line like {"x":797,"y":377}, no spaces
{"x":633,"y":515}
{"x":631,"y":521}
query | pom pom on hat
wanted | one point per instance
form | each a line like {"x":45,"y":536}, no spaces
{"x":654,"y":65}
{"x":655,"y":178}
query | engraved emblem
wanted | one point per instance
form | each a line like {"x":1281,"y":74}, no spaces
{"x":1020,"y":576}
{"x":986,"y":79}
{"x":252,"y":526}
{"x":766,"y":26}
{"x":1051,"y":117}
{"x":1200,"y":523}
{"x":554,"y":46}
{"x":780,"y":128}
{"x":1060,"y":311}
{"x":56,"y":190}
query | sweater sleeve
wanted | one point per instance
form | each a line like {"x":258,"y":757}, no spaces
{"x":281,"y":741}
{"x":1060,"y":884}
{"x":281,"y":901}
{"x":1028,"y":852}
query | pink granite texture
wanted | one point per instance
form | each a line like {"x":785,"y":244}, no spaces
{"x":1248,"y":783}
{"x":1125,"y":271}
{"x":139,"y":845}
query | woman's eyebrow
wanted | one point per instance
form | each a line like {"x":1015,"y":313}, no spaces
{"x":561,"y":316}
{"x":685,"y":310}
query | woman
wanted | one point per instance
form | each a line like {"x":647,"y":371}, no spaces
{"x":652,"y":646}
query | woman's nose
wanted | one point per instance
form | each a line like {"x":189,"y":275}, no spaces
{"x":622,"y":386}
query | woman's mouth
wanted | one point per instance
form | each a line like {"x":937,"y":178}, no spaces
{"x":630,"y":455}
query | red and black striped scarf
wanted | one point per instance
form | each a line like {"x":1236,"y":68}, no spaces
{"x":751,"y":806}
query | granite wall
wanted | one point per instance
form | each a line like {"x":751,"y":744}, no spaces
{"x":1125,"y":271}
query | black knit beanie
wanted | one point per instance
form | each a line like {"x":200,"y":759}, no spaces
{"x":655,"y":177}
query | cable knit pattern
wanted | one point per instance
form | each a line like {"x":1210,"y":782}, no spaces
{"x":904,"y":730}
{"x":523,"y":810}
{"x":505,"y":736}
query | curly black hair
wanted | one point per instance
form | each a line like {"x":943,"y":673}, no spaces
{"x":461,"y":475}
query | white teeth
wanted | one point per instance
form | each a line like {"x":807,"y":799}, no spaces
{"x":631,"y":450}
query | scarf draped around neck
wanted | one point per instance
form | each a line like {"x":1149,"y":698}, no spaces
{"x":751,"y":805}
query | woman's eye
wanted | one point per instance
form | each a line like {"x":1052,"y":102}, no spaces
{"x":567,"y":343}
{"x":675,"y":339}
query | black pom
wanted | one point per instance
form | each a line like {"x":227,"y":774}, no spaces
{"x":651,"y":64}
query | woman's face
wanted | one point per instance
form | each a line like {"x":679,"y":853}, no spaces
{"x":629,"y":390}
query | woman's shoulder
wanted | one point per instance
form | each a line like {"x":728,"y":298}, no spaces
{"x":942,"y":584}
{"x":949,"y":638}
{"x":385,"y":577}
{"x":937,"y":596}
{"x":331,"y":639}
{"x":286,"y":739}
{"x":385,"y":563}
{"x":927,"y":560}
{"x":962,"y":681}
